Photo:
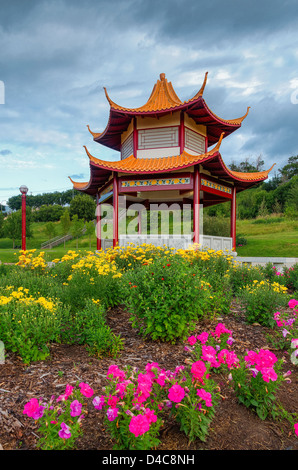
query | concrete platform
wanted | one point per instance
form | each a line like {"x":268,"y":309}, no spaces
{"x":262,"y":261}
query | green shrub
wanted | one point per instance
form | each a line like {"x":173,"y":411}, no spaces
{"x":291,"y":277}
{"x":240,"y":240}
{"x":88,"y":326}
{"x":243,"y":275}
{"x":262,"y":300}
{"x":167,"y":298}
{"x":28,"y":325}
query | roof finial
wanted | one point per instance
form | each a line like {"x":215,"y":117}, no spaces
{"x":162,"y":76}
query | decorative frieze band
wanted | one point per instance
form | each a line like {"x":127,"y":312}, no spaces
{"x":217,"y":186}
{"x":155,"y":182}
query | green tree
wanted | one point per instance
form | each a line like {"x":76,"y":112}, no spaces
{"x":1,"y":224}
{"x":76,"y":228}
{"x":13,"y":226}
{"x":90,"y":231}
{"x":290,"y":169}
{"x":50,"y":230}
{"x":83,"y":206}
{"x":263,"y":210}
{"x":65,"y":223}
{"x":248,"y":166}
{"x":48,"y":213}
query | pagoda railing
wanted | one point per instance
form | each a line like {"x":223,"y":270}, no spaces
{"x":173,"y":241}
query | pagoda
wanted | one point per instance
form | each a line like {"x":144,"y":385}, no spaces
{"x":169,"y":153}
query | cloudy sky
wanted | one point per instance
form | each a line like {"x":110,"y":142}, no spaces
{"x":57,"y":55}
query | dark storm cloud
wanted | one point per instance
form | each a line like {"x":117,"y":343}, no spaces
{"x":57,"y":55}
{"x":215,"y":22}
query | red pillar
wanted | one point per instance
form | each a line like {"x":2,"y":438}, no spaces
{"x":196,"y":205}
{"x":115,"y":211}
{"x":233,"y":218}
{"x":98,"y":224}
{"x":182,"y":133}
{"x":135,"y":138}
{"x":23,"y":221}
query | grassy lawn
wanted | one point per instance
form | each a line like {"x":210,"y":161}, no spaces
{"x":269,"y":239}
{"x":265,"y":237}
{"x":10,"y":255}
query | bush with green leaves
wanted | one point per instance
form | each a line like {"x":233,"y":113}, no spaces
{"x":291,"y":277}
{"x":244,"y":275}
{"x":167,"y":297}
{"x":261,"y":300}
{"x":88,"y":326}
{"x":29,"y":324}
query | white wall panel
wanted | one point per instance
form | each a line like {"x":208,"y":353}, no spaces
{"x":194,"y":141}
{"x":158,"y":138}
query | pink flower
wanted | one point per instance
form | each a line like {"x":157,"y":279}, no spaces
{"x":269,"y":374}
{"x":68,"y":390}
{"x":152,"y":365}
{"x":150,"y":415}
{"x":121,"y":388}
{"x":292,"y":303}
{"x":64,"y":432}
{"x":265,"y":359}
{"x":99,"y":402}
{"x":221,"y":329}
{"x":115,"y":372}
{"x":144,"y":387}
{"x":86,"y":390}
{"x":192,"y":340}
{"x":198,"y":370}
{"x":67,"y":393}
{"x":229,"y":357}
{"x":161,"y":379}
{"x":176,"y":393}
{"x":112,"y":413}
{"x":75,"y":408}
{"x":139,"y":425}
{"x":250,"y":358}
{"x":205,"y":396}
{"x":112,"y":401}
{"x":33,"y":409}
{"x":203,"y":337}
{"x":296,"y":428}
{"x":209,"y":355}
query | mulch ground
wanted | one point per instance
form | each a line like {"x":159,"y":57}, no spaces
{"x":234,"y":427}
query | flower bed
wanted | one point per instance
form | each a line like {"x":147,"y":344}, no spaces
{"x":169,"y":296}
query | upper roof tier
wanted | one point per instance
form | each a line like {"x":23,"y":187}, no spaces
{"x":164,"y":100}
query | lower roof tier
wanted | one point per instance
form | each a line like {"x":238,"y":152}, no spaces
{"x":211,"y":161}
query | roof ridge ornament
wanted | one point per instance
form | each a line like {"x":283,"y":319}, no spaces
{"x":94,"y":134}
{"x":201,"y":90}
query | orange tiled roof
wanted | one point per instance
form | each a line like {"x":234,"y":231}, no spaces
{"x":139,"y":165}
{"x":162,"y":97}
{"x":253,"y":176}
{"x":135,"y":165}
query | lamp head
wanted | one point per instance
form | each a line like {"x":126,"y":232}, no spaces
{"x":24,"y":189}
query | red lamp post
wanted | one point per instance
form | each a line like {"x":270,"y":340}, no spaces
{"x":24,"y":191}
